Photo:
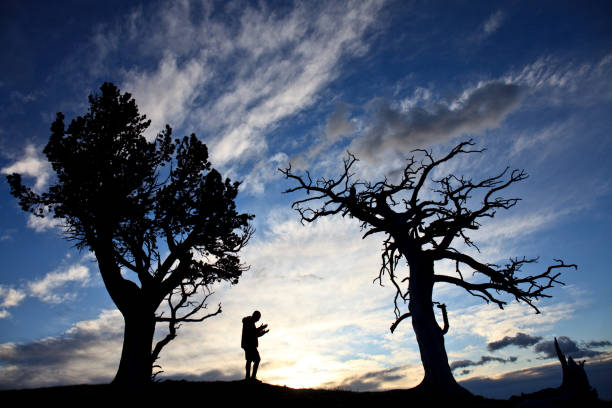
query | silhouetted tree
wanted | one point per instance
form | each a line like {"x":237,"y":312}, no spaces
{"x":422,"y":231}
{"x":157,"y":209}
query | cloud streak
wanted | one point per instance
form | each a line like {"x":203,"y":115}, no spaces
{"x":483,"y":360}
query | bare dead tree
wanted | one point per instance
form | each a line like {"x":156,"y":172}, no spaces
{"x":422,"y":231}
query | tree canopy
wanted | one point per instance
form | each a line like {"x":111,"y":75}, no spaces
{"x":155,"y":208}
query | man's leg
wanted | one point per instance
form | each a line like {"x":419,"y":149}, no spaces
{"x":248,"y":369}
{"x":255,"y":366}
{"x":256,"y":360}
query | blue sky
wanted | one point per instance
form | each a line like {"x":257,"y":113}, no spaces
{"x":268,"y":83}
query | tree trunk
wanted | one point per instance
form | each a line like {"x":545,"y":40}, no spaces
{"x":438,"y":375}
{"x":135,"y":367}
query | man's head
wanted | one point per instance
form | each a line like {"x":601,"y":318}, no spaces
{"x":256,"y":315}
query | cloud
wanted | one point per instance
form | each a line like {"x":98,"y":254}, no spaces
{"x":42,"y":224}
{"x":483,"y":360}
{"x":337,"y":127}
{"x":420,"y":95}
{"x":7,"y":234}
{"x":235,"y":73}
{"x":45,"y":288}
{"x":338,"y":124}
{"x":545,"y":140}
{"x":568,"y":346}
{"x":492,"y":323}
{"x":87,"y":353}
{"x":521,"y":340}
{"x":558,"y":81}
{"x":31,"y":164}
{"x":263,"y":172}
{"x":9,"y":297}
{"x":52,"y":288}
{"x":166,"y":95}
{"x":483,"y":107}
{"x":493,"y":23}
{"x":595,"y":343}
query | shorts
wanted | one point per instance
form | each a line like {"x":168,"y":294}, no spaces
{"x":251,"y":354}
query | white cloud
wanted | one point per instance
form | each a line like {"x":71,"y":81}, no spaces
{"x":42,"y":224}
{"x":247,"y":72}
{"x":46,"y":288}
{"x":420,"y":95}
{"x":31,"y":164}
{"x":55,"y":287}
{"x":9,"y":297}
{"x":493,"y":23}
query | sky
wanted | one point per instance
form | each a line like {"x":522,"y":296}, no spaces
{"x":265,"y":84}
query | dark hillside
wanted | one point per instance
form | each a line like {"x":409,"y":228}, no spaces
{"x":240,"y":393}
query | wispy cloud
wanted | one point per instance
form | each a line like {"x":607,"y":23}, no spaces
{"x":562,"y":81}
{"x":263,"y":172}
{"x":493,"y":23}
{"x":166,"y":94}
{"x":492,"y":323}
{"x":483,"y":360}
{"x":245,"y":71}
{"x":45,"y":288}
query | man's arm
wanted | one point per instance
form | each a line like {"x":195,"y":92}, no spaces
{"x":261,"y":330}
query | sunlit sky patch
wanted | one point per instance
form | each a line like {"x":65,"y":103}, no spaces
{"x":269,"y":83}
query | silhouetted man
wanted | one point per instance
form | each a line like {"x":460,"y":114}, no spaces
{"x":249,"y":343}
